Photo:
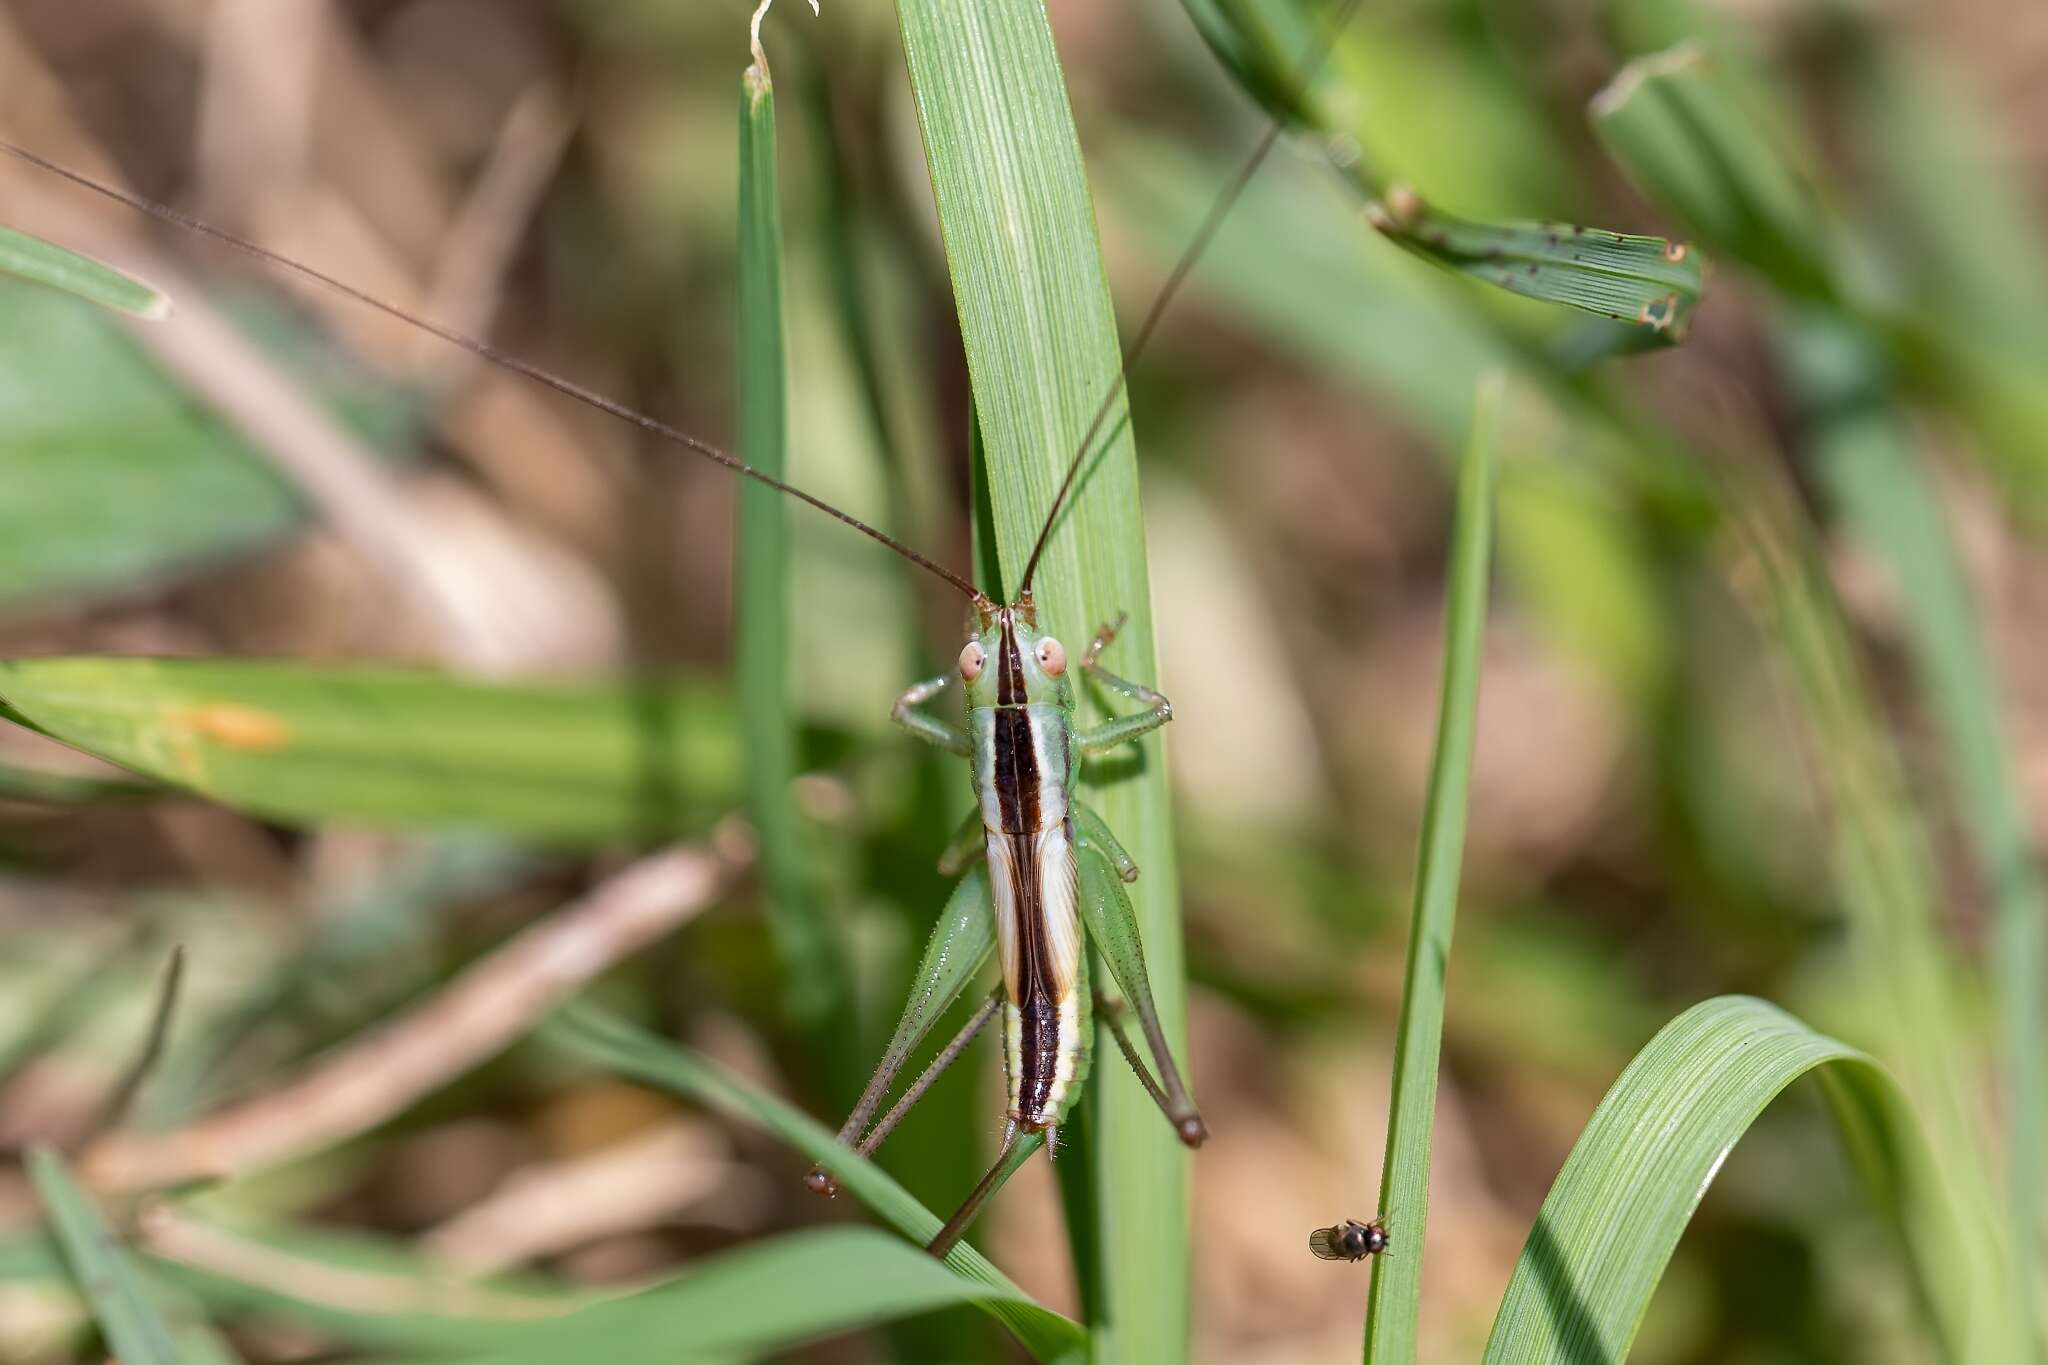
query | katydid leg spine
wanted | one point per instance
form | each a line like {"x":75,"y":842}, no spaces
{"x":1053,"y":880}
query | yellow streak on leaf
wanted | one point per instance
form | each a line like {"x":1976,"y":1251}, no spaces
{"x":232,"y":725}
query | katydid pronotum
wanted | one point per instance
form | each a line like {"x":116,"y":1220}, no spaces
{"x":1041,"y":875}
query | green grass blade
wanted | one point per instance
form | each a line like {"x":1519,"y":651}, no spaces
{"x":376,"y":1294}
{"x":348,"y":1287}
{"x":814,"y":977}
{"x":1691,"y":139}
{"x":1650,"y":283}
{"x":385,"y":746}
{"x":1261,"y":46}
{"x":605,"y":1041}
{"x":1867,"y":462}
{"x":769,"y":1296}
{"x":1042,"y":351}
{"x":1404,"y":1183}
{"x":1644,"y":1162}
{"x":31,"y":258}
{"x":129,"y":1319}
{"x":1903,"y":973}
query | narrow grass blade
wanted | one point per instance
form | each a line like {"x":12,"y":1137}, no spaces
{"x":1261,"y":45}
{"x":814,"y":976}
{"x":1867,"y":462}
{"x":129,"y":1319}
{"x":353,"y":1288}
{"x":374,"y":1294}
{"x":1042,"y":351}
{"x":1404,"y":1183}
{"x":384,"y":746}
{"x":1903,"y":971}
{"x":1408,"y":338}
{"x":602,"y":1040}
{"x":31,"y":258}
{"x":1644,"y":1162}
{"x":35,"y":784}
{"x":1688,"y":137}
{"x":1650,"y":283}
{"x":122,"y":1096}
{"x":768,"y":1297}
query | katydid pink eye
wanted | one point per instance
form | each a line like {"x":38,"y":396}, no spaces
{"x":971,"y":660}
{"x":1052,"y":656}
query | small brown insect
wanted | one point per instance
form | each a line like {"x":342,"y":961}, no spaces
{"x":1350,"y":1240}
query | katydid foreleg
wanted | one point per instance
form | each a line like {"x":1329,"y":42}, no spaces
{"x":1120,"y":729}
{"x":927,"y":727}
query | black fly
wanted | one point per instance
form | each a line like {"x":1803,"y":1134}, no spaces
{"x":1350,"y":1240}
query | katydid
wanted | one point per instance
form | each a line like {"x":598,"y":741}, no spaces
{"x":1041,"y":875}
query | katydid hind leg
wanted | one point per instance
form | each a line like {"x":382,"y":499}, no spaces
{"x":968,"y":845}
{"x":1113,"y":927}
{"x":959,"y":945}
{"x":1112,"y":1012}
{"x":1094,"y":832}
{"x":936,"y":1068}
{"x":1017,"y":1148}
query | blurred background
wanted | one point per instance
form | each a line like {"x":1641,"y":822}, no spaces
{"x":277,"y":473}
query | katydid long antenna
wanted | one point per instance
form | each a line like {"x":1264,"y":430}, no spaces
{"x":569,"y":388}
{"x":1226,"y":199}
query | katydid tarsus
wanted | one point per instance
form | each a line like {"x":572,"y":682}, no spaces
{"x":1041,"y":875}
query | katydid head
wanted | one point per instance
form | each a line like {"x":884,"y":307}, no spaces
{"x":1007,"y":661}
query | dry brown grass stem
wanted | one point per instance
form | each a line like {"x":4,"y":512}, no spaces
{"x":477,"y":1015}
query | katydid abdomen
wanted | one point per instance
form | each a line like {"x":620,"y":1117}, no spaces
{"x":1035,"y":886}
{"x":1023,"y":768}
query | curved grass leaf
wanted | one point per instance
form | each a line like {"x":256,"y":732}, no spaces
{"x":1042,"y":352}
{"x":303,"y":744}
{"x":129,"y":1319}
{"x":1904,"y":977}
{"x":1643,"y":1163}
{"x":1411,"y":1115}
{"x":610,"y":1043}
{"x":33,"y":259}
{"x":766,"y":1297}
{"x":1866,"y":460}
{"x":1650,"y":283}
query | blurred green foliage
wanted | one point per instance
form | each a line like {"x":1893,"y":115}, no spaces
{"x":1754,"y":718}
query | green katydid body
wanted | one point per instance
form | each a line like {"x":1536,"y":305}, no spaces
{"x":1053,"y":870}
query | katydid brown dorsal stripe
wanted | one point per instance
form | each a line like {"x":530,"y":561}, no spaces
{"x":1041,"y":876}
